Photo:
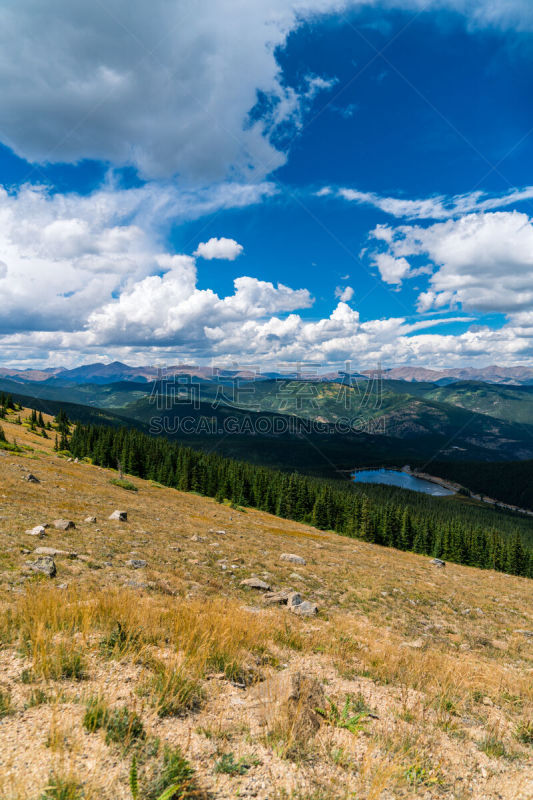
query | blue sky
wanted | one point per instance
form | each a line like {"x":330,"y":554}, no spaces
{"x":305,"y":181}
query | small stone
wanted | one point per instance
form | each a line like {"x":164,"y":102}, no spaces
{"x":136,"y":563}
{"x":523,"y":632}
{"x":438,"y":562}
{"x":122,"y":516}
{"x":256,"y":583}
{"x":294,"y":559}
{"x":39,"y":531}
{"x":31,"y":478}
{"x":91,"y":520}
{"x":45,"y":565}
{"x":64,"y":524}
{"x":416,"y":644}
{"x":487,"y":701}
{"x":197,"y":538}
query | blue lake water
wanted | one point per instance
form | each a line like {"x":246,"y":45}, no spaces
{"x":404,"y":480}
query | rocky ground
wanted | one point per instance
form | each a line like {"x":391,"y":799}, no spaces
{"x":278,"y":660}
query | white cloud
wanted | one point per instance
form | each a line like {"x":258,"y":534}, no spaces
{"x":63,"y":256}
{"x":392,"y":270}
{"x":345,"y":295}
{"x":169,"y":87}
{"x":437,"y":207}
{"x":227,"y":249}
{"x":483,"y":262}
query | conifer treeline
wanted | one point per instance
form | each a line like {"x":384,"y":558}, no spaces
{"x":451,"y":536}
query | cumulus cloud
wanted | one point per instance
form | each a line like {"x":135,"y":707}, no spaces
{"x":392,"y":270}
{"x":483,"y":262}
{"x":169,"y":87}
{"x":62,"y":256}
{"x":169,"y":309}
{"x":227,"y":249}
{"x":346,"y":294}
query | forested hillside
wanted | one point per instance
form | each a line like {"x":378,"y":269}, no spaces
{"x":451,"y":531}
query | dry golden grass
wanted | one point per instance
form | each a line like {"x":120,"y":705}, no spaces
{"x":435,"y":656}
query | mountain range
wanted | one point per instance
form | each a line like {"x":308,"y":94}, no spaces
{"x":117,"y":371}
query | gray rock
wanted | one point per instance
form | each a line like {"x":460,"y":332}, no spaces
{"x":524,"y":632}
{"x":438,"y":562}
{"x":294,"y":559}
{"x":64,"y":524}
{"x":92,"y":520}
{"x":277,"y":598}
{"x":122,"y":516}
{"x":197,"y":538}
{"x":45,"y":565}
{"x":256,"y":583}
{"x":294,"y":599}
{"x":305,"y":609}
{"x":39,"y":531}
{"x":51,"y":551}
{"x":136,"y":563}
{"x":31,"y":478}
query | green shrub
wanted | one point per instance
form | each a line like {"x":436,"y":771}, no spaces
{"x":124,"y":484}
{"x":492,"y":746}
{"x":228,"y":766}
{"x":96,"y":714}
{"x":68,"y":664}
{"x":175,"y":772}
{"x":37,"y":698}
{"x":62,"y":789}
{"x":524,"y":731}
{"x":350,"y":717}
{"x":124,"y":727}
{"x":5,"y":704}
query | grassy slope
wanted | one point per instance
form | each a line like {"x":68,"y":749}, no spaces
{"x":436,"y":654}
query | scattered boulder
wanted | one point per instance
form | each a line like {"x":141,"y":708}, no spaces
{"x":197,"y":538}
{"x":220,"y":533}
{"x":45,"y":565}
{"x":303,"y":608}
{"x":294,"y":559}
{"x":136,"y":563}
{"x":51,"y":551}
{"x":524,"y":632}
{"x":92,"y":520}
{"x":277,"y":598}
{"x":294,"y":599}
{"x":64,"y":524}
{"x":438,"y":562}
{"x":39,"y":531}
{"x":122,"y":516}
{"x":256,"y":583}
{"x":31,"y":478}
{"x":289,"y":700}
